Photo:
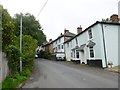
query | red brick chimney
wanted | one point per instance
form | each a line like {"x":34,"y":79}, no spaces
{"x":114,"y":18}
{"x":79,"y":29}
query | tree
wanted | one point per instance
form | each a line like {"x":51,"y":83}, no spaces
{"x":28,"y":50}
{"x":0,"y":27}
{"x":8,"y":29}
{"x":106,"y":20}
{"x":31,"y":27}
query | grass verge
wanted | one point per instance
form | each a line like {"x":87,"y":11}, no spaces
{"x":15,"y":79}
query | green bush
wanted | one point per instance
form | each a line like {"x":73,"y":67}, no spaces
{"x":13,"y":55}
{"x":26,"y":72}
{"x":45,"y":55}
{"x":15,"y":78}
{"x":28,"y":50}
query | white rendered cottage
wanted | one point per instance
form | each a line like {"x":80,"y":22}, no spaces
{"x":97,"y":45}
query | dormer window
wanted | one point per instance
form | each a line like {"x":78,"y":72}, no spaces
{"x":90,"y":33}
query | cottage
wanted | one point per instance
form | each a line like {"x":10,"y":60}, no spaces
{"x":56,"y":46}
{"x":97,"y":45}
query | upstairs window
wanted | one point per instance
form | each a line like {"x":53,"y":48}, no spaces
{"x":76,"y":41}
{"x":59,"y":47}
{"x":68,"y":44}
{"x":90,"y":33}
{"x":59,"y":40}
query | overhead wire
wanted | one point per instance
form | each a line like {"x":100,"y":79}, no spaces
{"x":42,"y":9}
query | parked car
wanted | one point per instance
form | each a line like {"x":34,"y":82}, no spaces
{"x":36,"y":56}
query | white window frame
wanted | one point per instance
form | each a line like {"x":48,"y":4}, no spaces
{"x":89,"y":53}
{"x":90,"y":34}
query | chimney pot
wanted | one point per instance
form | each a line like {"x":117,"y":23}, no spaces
{"x":79,"y":29}
{"x":65,"y":31}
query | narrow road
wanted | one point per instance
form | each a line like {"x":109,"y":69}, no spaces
{"x":52,"y":74}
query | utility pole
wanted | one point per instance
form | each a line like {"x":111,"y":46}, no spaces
{"x":21,"y":43}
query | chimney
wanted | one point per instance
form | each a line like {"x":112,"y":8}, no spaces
{"x":79,"y":29}
{"x":65,"y":31}
{"x":50,"y":40}
{"x":114,"y":18}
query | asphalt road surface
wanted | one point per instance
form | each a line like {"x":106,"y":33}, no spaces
{"x":53,"y":74}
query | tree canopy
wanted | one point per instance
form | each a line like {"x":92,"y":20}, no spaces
{"x":32,"y":37}
{"x":8,"y":29}
{"x":31,"y":27}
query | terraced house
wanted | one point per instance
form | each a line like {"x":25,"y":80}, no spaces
{"x":97,"y":45}
{"x":56,"y":46}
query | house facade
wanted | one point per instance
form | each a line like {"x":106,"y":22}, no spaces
{"x":48,"y":47}
{"x":97,"y":45}
{"x":56,"y":47}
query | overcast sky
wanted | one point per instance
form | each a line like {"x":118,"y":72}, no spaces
{"x":60,"y":14}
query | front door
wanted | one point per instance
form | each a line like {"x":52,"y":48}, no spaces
{"x":82,"y":57}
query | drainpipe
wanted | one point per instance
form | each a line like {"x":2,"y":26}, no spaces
{"x":104,"y":46}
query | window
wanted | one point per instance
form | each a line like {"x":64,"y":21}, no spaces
{"x":58,"y":46}
{"x":71,"y":54}
{"x":56,"y":49}
{"x":91,"y":52}
{"x":76,"y":41}
{"x":62,"y":46}
{"x":59,"y":40}
{"x":77,"y":54}
{"x":68,"y":44}
{"x":90,"y":33}
{"x":74,"y":54}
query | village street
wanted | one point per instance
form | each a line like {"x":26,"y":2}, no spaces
{"x":53,"y":74}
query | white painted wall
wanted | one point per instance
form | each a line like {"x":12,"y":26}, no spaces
{"x":98,"y":39}
{"x":68,"y":51}
{"x":111,"y":41}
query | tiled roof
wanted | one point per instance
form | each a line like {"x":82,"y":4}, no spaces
{"x":67,"y":34}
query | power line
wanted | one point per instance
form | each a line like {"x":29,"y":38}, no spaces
{"x":42,"y":9}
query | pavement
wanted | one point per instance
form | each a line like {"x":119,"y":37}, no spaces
{"x":115,"y":69}
{"x":55,"y":74}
